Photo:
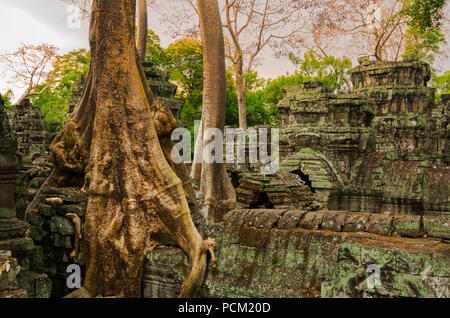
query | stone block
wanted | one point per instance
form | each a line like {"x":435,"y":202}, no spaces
{"x":380,"y":224}
{"x":47,"y":210}
{"x":78,"y":209}
{"x":407,"y":225}
{"x":356,"y":222}
{"x":291,"y":219}
{"x":268,"y":218}
{"x":61,"y":225}
{"x":438,"y":227}
{"x":68,"y":195}
{"x":334,"y":221}
{"x":312,"y":220}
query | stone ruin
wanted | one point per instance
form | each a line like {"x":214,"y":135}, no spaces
{"x":377,"y":158}
{"x":363,"y":181}
{"x":30,"y":131}
{"x":20,"y":259}
{"x":52,"y":226}
{"x":278,"y":191}
{"x":381,"y":146}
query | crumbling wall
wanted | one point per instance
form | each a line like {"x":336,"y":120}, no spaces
{"x":381,"y":146}
{"x":30,"y":131}
{"x":292,"y":253}
{"x":20,"y":259}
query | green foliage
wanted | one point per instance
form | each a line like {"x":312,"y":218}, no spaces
{"x":273,"y":93}
{"x":186,"y":70}
{"x":259,"y":112}
{"x":232,"y":110}
{"x":185,"y":64}
{"x":7,"y":99}
{"x":441,"y":83}
{"x":54,"y":100}
{"x":333,"y":72}
{"x":185,"y":58}
{"x":155,"y":53}
{"x":424,"y":35}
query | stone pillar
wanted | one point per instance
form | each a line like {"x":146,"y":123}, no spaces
{"x":161,"y":88}
{"x":29,"y":129}
{"x":12,"y":231}
{"x":8,"y":166}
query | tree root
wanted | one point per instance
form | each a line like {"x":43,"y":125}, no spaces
{"x":78,"y":236}
{"x":197,"y":258}
{"x":36,"y":200}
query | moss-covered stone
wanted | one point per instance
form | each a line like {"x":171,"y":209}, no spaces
{"x":438,"y":227}
{"x":46,"y":210}
{"x":308,"y":263}
{"x":408,"y":225}
{"x":61,"y":225}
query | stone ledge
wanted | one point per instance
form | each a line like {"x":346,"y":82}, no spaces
{"x":342,"y":221}
{"x":306,"y":263}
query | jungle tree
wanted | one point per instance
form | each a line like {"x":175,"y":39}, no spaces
{"x":110,"y":145}
{"x":215,"y":186}
{"x":28,"y":66}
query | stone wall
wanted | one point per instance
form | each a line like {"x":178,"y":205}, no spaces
{"x":281,"y":190}
{"x":292,"y":253}
{"x":382,"y":146}
{"x":55,"y":232}
{"x":29,"y":129}
{"x":20,"y":259}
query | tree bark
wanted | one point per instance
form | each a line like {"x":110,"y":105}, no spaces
{"x":241,"y":90}
{"x":215,"y":186}
{"x":142,"y":28}
{"x":135,"y":200}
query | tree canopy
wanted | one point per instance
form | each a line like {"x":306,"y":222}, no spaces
{"x":65,"y":71}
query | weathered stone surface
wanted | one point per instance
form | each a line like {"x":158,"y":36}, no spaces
{"x":312,"y":220}
{"x":356,"y":222}
{"x":36,"y":285}
{"x":438,"y":227}
{"x":291,"y":219}
{"x":407,"y":225}
{"x":304,"y":263}
{"x":78,"y":209}
{"x":68,"y":195}
{"x":281,"y":190}
{"x":381,"y":146}
{"x":268,"y":218}
{"x":334,"y":221}
{"x":12,"y":228}
{"x":29,"y":129}
{"x":47,"y":210}
{"x":61,"y":225}
{"x":380,"y":224}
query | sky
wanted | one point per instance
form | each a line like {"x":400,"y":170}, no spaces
{"x":46,"y":21}
{"x":38,"y":21}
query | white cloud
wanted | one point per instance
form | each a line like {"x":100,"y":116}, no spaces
{"x":19,"y":26}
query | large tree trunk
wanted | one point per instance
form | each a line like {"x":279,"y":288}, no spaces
{"x":241,"y":90}
{"x":135,"y":200}
{"x":142,"y":29}
{"x":215,"y":186}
